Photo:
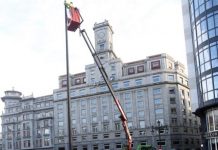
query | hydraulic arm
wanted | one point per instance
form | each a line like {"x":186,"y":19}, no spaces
{"x":106,"y":79}
{"x":74,"y":22}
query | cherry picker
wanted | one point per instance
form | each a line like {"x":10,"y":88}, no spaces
{"x":74,"y":21}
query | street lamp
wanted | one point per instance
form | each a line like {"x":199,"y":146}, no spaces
{"x":160,"y":129}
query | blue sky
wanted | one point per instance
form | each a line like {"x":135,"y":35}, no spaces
{"x":32,"y":47}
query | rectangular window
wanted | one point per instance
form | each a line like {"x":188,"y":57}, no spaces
{"x":172,"y":100}
{"x":161,"y":142}
{"x":159,"y":111}
{"x":142,"y":124}
{"x":131,"y":70}
{"x":106,"y":136}
{"x":155,"y":65}
{"x":156,"y":78}
{"x":126,"y":84}
{"x":141,"y":113}
{"x":95,"y":136}
{"x":157,"y":91}
{"x":174,"y":121}
{"x":105,"y":127}
{"x":138,"y":82}
{"x":173,"y":110}
{"x":140,"y":69}
{"x":117,"y":126}
{"x":118,"y":145}
{"x":170,"y":77}
{"x":92,"y":90}
{"x":94,"y":128}
{"x":158,"y":101}
{"x":106,"y":146}
{"x":60,"y":123}
{"x":117,"y":134}
{"x":115,"y":86}
{"x":95,"y":147}
{"x":172,"y":91}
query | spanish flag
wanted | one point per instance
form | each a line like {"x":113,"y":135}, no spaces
{"x":73,"y":17}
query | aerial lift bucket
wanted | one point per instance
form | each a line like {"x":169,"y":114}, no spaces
{"x":74,"y":19}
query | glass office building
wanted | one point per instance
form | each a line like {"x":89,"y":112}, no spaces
{"x":201,"y":33}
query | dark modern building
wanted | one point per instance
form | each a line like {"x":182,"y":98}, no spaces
{"x":201,"y":33}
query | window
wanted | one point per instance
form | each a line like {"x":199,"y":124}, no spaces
{"x":131,"y":70}
{"x":138,"y":82}
{"x":77,"y":81}
{"x":142,"y":124}
{"x":172,"y":100}
{"x":159,"y":111}
{"x":60,"y":115}
{"x":118,"y":145}
{"x":94,"y":110}
{"x":101,"y":47}
{"x":172,"y":91}
{"x":161,"y":142}
{"x":141,"y":113}
{"x":113,"y":77}
{"x":140,"y":69}
{"x":83,"y":112}
{"x":128,"y":105}
{"x":173,"y":110}
{"x":113,"y":67}
{"x":155,"y":65}
{"x":170,"y":77}
{"x":156,"y":78}
{"x":84,"y":129}
{"x":129,"y":115}
{"x":106,"y":136}
{"x":46,"y":131}
{"x":92,"y":90}
{"x":106,"y":146}
{"x":126,"y":84}
{"x":103,"y":88}
{"x":60,"y":123}
{"x":94,"y":128}
{"x":158,"y":101}
{"x":174,"y":121}
{"x":46,"y":141}
{"x":60,"y":106}
{"x":105,"y":127}
{"x":94,"y":119}
{"x":115,"y":86}
{"x":105,"y":117}
{"x":157,"y":91}
{"x":95,"y":136}
{"x":140,"y":104}
{"x":117,"y":134}
{"x":117,"y":126}
{"x":130,"y":125}
{"x":95,"y":147}
{"x":83,"y":120}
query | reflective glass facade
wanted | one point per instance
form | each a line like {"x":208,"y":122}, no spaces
{"x":204,"y":24}
{"x":202,"y":32}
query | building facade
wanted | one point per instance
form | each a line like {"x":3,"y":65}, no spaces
{"x":151,"y":90}
{"x":201,"y":33}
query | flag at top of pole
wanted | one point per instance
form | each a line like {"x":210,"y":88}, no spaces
{"x":73,"y":17}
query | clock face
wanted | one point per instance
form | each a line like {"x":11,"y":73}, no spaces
{"x":101,"y":35}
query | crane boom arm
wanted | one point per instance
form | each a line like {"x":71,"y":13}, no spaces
{"x":105,"y":77}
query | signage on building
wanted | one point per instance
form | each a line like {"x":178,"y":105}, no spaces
{"x":211,"y":134}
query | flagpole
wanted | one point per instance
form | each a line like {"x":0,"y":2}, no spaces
{"x":68,"y":83}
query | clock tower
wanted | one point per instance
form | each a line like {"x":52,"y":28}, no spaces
{"x":104,"y":41}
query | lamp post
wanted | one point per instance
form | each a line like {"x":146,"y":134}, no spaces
{"x":159,"y":128}
{"x":68,"y":82}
